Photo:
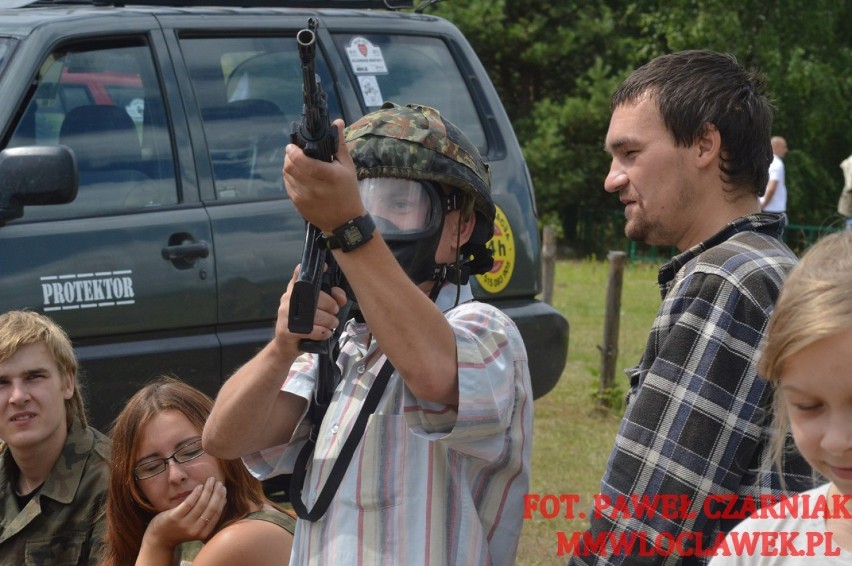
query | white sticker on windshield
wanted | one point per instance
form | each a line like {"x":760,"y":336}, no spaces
{"x":370,"y":90}
{"x":365,"y":58}
{"x":136,"y":109}
{"x":74,"y":291}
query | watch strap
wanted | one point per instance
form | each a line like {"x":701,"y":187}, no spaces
{"x":353,"y":234}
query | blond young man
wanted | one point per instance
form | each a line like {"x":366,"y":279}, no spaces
{"x":54,"y":472}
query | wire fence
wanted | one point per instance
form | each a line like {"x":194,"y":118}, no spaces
{"x":597,"y":232}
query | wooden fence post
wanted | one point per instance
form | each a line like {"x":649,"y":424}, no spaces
{"x":548,"y":263}
{"x":609,"y":349}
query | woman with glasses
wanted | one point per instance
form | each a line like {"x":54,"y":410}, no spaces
{"x":165,"y":490}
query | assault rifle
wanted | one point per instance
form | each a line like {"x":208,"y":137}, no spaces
{"x":318,"y":139}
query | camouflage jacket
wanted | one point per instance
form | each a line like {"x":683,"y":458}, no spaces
{"x":63,"y":525}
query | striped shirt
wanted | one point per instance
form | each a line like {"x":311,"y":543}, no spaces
{"x":428,"y":484}
{"x":698,"y":422}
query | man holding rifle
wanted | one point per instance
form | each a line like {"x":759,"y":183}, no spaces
{"x":439,"y":474}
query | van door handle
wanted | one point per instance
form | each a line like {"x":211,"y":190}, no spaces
{"x":192,"y":250}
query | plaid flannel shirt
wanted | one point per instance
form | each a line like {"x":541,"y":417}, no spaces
{"x":697,"y":424}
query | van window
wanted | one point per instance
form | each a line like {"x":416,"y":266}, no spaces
{"x":412,"y":69}
{"x":105,"y":104}
{"x":249,"y":91}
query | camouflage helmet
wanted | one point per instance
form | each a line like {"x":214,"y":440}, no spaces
{"x":416,"y":142}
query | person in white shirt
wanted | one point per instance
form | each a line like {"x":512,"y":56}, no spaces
{"x":775,"y":197}
{"x":844,"y":205}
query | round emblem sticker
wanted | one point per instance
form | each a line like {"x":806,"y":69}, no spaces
{"x":503,"y":246}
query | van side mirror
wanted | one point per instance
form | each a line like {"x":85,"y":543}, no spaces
{"x":35,"y":175}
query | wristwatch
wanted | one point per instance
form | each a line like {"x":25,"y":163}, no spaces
{"x":352,"y":235}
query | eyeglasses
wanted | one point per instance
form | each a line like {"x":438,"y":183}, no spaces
{"x":151,"y":468}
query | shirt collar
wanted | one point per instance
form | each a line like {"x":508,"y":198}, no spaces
{"x":67,"y":473}
{"x":61,"y":484}
{"x":447,"y":296}
{"x":768,"y":223}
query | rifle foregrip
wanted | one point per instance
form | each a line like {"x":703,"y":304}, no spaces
{"x":303,"y":299}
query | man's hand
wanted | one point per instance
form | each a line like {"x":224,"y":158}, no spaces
{"x":231,"y":430}
{"x":325,"y":320}
{"x":325,"y":194}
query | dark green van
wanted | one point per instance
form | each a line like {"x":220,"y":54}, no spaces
{"x":169,"y":247}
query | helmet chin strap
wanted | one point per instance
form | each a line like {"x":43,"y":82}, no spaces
{"x":458,"y":272}
{"x":455,"y":272}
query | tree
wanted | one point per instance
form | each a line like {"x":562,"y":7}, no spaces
{"x":555,"y":65}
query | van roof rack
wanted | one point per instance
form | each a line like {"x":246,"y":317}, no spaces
{"x":311,"y":4}
{"x":351,"y":4}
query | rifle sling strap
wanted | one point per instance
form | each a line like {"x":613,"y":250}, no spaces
{"x":297,"y":479}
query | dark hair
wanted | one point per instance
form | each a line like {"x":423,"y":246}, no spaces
{"x":695,"y":88}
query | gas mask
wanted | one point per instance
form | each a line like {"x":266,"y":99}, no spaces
{"x":410,"y":217}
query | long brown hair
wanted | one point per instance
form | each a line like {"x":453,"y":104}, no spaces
{"x":127,"y":511}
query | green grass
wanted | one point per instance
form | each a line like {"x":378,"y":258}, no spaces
{"x":573,"y":438}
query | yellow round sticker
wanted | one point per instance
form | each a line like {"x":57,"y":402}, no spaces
{"x":503,"y":247}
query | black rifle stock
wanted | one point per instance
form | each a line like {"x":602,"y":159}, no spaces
{"x":317,"y":137}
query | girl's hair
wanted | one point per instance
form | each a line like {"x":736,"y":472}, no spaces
{"x":22,"y":328}
{"x":815,"y":303}
{"x":128,"y":512}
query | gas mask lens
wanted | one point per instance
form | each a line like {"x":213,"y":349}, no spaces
{"x":402,"y":209}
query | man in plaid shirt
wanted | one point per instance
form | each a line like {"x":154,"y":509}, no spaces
{"x":689,"y":138}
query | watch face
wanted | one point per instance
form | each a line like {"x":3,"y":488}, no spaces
{"x":351,"y":236}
